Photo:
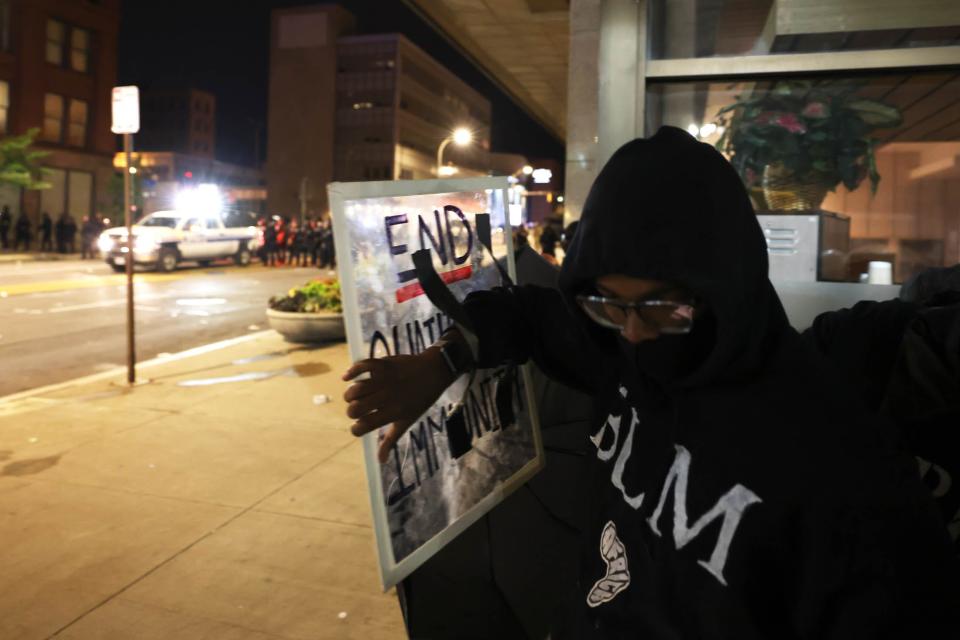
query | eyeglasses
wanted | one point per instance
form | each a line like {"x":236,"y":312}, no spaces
{"x":665,"y":316}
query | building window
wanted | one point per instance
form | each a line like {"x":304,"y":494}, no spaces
{"x":56,"y":34}
{"x":77,"y":133}
{"x":4,"y":105}
{"x":5,"y":25}
{"x":52,"y":117}
{"x":79,"y":49}
{"x":73,"y":41}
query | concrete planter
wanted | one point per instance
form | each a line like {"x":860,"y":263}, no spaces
{"x":323,"y":326}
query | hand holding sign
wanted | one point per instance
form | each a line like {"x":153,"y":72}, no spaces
{"x":399,"y":390}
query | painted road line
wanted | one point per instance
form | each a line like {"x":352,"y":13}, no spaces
{"x":146,"y":364}
{"x":103,"y":303}
{"x":85,"y":283}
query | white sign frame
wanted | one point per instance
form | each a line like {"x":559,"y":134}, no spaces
{"x":391,"y":571}
{"x":125,"y":110}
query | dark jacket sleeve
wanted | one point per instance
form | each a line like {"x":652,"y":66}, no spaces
{"x":524,"y":323}
{"x":862,"y":342}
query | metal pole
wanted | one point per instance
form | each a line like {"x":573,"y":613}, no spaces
{"x":443,"y":145}
{"x":127,"y":203}
{"x":303,"y":199}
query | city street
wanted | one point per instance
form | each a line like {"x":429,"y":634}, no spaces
{"x":65,"y":319}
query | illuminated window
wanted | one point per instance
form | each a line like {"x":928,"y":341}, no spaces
{"x":63,"y":39}
{"x":4,"y":105}
{"x":56,"y":32}
{"x":77,"y":133}
{"x":52,"y":117}
{"x":79,"y":49}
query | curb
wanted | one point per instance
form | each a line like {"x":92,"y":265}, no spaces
{"x":121,"y":371}
{"x":37,"y":257}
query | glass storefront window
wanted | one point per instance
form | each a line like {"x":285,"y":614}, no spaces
{"x":80,"y":194}
{"x":53,"y":200}
{"x":707,"y":28}
{"x":10,"y":197}
{"x":805,"y":146}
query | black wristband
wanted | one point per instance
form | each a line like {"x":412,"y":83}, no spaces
{"x":457,"y":356}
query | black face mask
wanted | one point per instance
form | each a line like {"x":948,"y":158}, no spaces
{"x":671,"y":358}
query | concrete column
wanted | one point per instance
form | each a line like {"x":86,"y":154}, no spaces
{"x":606,"y":88}
{"x":622,"y":60}
{"x":582,"y":95}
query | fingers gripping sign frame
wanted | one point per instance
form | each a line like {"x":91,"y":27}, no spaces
{"x":481,"y":440}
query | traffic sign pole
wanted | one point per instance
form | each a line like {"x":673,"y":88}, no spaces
{"x":128,"y":220}
{"x":126,"y":121}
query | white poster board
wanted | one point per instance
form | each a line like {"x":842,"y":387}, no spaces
{"x":434,"y":486}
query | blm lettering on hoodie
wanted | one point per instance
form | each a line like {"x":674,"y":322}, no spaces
{"x":731,"y":506}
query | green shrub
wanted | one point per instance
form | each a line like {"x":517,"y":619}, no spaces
{"x":317,"y":295}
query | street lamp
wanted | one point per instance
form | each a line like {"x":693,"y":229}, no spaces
{"x":461,"y":137}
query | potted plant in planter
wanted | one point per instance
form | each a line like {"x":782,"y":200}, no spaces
{"x":797,"y":140}
{"x":311,"y":313}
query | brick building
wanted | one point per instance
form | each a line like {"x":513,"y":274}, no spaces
{"x":58,"y":63}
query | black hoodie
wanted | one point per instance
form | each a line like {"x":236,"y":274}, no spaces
{"x":745,"y":494}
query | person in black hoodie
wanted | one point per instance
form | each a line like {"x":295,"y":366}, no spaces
{"x":739,"y":489}
{"x":24,"y":233}
{"x":46,"y":232}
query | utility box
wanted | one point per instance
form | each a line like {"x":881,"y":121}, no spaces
{"x":807,"y":246}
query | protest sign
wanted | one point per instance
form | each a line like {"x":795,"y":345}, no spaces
{"x":452,"y":466}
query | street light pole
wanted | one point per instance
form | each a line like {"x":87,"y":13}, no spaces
{"x":462,"y":136}
{"x":443,"y":145}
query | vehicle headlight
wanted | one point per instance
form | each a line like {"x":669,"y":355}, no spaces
{"x":144,"y":244}
{"x":105,"y":243}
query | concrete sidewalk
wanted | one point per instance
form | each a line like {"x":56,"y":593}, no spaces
{"x":216,"y":501}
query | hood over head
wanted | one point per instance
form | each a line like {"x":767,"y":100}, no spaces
{"x":673,"y":209}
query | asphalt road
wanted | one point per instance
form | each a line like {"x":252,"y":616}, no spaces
{"x":65,"y":319}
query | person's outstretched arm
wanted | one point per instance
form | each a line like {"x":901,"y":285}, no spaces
{"x":513,"y":326}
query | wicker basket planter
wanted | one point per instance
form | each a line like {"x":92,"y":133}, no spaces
{"x":783,"y":192}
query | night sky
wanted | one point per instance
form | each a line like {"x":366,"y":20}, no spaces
{"x":223,"y":47}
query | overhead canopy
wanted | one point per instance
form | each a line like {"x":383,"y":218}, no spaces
{"x":522,"y":45}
